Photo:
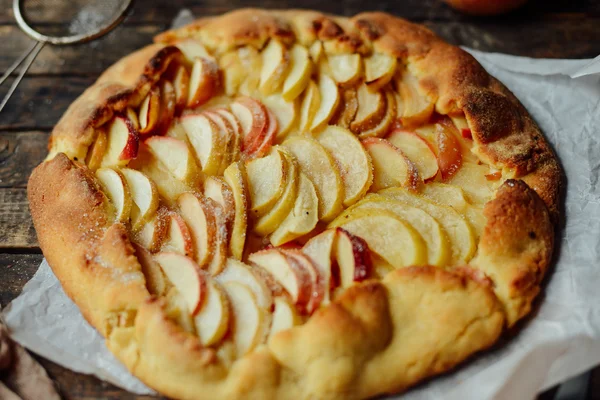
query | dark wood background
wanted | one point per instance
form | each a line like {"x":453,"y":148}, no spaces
{"x":552,"y":29}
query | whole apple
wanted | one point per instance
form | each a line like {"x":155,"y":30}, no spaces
{"x":485,"y":7}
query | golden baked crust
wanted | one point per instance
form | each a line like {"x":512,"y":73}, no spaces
{"x":378,"y":336}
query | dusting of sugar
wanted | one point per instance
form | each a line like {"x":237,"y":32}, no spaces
{"x":90,"y":19}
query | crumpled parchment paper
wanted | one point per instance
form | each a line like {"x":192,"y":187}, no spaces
{"x":560,"y":341}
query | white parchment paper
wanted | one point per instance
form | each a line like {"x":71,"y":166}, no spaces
{"x":563,"y":338}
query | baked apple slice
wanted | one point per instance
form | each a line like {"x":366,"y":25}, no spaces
{"x":320,"y":250}
{"x":199,"y":215}
{"x":236,"y":146}
{"x":217,"y":189}
{"x":445,"y":194}
{"x":372,"y":107}
{"x":204,"y":82}
{"x":457,"y":229}
{"x":249,"y":322}
{"x":391,"y":238}
{"x":384,"y":126}
{"x":95,"y":154}
{"x":149,"y":113}
{"x":417,"y":150}
{"x":309,"y":107}
{"x":186,"y":276}
{"x":265,"y":146}
{"x":177,"y":310}
{"x":352,"y":159}
{"x":235,"y":176}
{"x":417,"y":107}
{"x":227,"y":135}
{"x":379,"y":70}
{"x":254,"y":122}
{"x":275,"y":63}
{"x":144,"y":195}
{"x":153,"y":233}
{"x":192,"y":49}
{"x":206,"y":140}
{"x":222,"y":238}
{"x":471,"y":178}
{"x":438,"y":244}
{"x":176,"y":156}
{"x":115,"y":187}
{"x":179,"y":237}
{"x":346,"y":69}
{"x":271,"y":220}
{"x":321,"y":169}
{"x":303,"y":216}
{"x":156,"y":282}
{"x":286,"y":271}
{"x":316,"y":51}
{"x":449,"y":154}
{"x":181,"y":84}
{"x":318,"y":286}
{"x":299,"y":73}
{"x":347,"y":109}
{"x":122,"y":142}
{"x":390,"y":166}
{"x":353,"y":258}
{"x":285,"y":113}
{"x":267,"y":178}
{"x":168,"y":104}
{"x":330,"y":99}
{"x":285,"y":316}
{"x":212,"y":321}
{"x":237,"y":271}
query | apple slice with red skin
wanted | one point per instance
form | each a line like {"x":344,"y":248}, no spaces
{"x":179,"y":237}
{"x":320,"y":250}
{"x":122,"y":142}
{"x":390,"y":166}
{"x":269,"y":138}
{"x":204,"y":82}
{"x":200,"y":218}
{"x":236,"y":146}
{"x":117,"y":190}
{"x":153,"y":233}
{"x":186,"y":276}
{"x":353,"y":258}
{"x":291,"y":275}
{"x":254,"y":122}
{"x":449,"y":154}
{"x":217,"y":189}
{"x":318,"y":284}
{"x":417,"y":150}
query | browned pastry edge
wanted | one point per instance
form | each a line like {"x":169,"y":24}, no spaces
{"x":378,"y":337}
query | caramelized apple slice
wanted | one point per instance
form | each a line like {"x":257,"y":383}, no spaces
{"x":379,"y":70}
{"x":193,"y":49}
{"x":181,"y":84}
{"x":155,"y":279}
{"x":249,"y":324}
{"x":347,"y":109}
{"x":204,"y":82}
{"x":97,"y":150}
{"x":390,"y":166}
{"x":275,"y":63}
{"x":285,"y":316}
{"x":122,"y":142}
{"x":145,"y":197}
{"x":115,"y":186}
{"x":417,"y":150}
{"x":321,"y":169}
{"x":302,"y":218}
{"x":235,"y":176}
{"x":394,"y":240}
{"x":212,"y":322}
{"x":457,"y":229}
{"x":299,"y":73}
{"x":168,"y":103}
{"x":310,"y":105}
{"x":346,"y":69}
{"x":271,"y":220}
{"x":330,"y":98}
{"x":291,"y":275}
{"x":206,"y":140}
{"x":267,"y":178}
{"x":176,"y":157}
{"x":316,"y":51}
{"x":353,"y":258}
{"x":449,"y":155}
{"x":384,"y":126}
{"x":186,"y":276}
{"x":148,"y":116}
{"x":320,"y":250}
{"x":199,"y":216}
{"x":237,"y":271}
{"x":372,"y":107}
{"x":417,"y":107}
{"x":351,"y":157}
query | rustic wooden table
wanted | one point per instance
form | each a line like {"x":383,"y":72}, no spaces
{"x":554,"y":29}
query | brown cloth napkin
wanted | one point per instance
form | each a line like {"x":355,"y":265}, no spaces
{"x":21,"y":377}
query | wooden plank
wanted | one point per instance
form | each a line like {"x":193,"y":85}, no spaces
{"x":17,"y":227}
{"x":20,"y":152}
{"x":15,"y":271}
{"x":163,"y":12}
{"x":86,"y":59}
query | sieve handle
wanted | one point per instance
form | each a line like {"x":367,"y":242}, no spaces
{"x":28,"y":56}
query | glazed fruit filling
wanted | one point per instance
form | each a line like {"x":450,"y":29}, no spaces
{"x":258,"y":184}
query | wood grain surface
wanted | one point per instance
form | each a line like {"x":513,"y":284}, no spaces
{"x":554,"y":29}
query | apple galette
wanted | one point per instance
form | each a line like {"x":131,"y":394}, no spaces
{"x":288,"y":204}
